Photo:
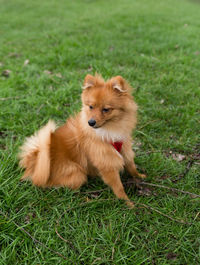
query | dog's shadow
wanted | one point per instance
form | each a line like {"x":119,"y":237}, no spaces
{"x":95,"y":187}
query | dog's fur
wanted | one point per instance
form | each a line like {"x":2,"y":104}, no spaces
{"x":67,"y":155}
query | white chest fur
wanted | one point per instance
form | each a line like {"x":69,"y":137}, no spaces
{"x":108,"y":135}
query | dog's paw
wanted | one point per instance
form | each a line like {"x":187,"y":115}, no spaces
{"x":142,"y":176}
{"x":130,"y":204}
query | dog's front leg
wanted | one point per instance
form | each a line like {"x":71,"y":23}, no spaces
{"x":112,"y":179}
{"x":132,"y":170}
{"x":128,"y":156}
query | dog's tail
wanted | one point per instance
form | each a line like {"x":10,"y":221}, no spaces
{"x":35,"y":155}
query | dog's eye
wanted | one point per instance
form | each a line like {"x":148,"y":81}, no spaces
{"x":104,"y":110}
{"x":90,"y":107}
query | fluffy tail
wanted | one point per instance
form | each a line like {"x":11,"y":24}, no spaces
{"x":35,"y":155}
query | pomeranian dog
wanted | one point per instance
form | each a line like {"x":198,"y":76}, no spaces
{"x":96,"y":142}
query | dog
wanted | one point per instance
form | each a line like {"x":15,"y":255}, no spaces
{"x":95,"y":142}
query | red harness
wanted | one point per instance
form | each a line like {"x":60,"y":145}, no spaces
{"x":117,"y":146}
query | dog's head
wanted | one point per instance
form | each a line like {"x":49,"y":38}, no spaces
{"x":105,"y":103}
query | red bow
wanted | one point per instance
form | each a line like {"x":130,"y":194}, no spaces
{"x":117,"y":146}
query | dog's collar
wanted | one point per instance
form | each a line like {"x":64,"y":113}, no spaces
{"x":117,"y":146}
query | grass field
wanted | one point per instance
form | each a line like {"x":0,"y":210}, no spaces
{"x":46,"y":49}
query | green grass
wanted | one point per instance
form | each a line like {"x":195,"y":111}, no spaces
{"x":155,"y":45}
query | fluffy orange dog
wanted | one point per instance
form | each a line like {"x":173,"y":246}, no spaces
{"x":97,"y":141}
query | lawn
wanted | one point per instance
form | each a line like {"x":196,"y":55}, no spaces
{"x":46,"y":49}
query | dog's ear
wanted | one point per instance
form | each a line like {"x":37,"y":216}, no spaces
{"x":89,"y":81}
{"x":119,"y":84}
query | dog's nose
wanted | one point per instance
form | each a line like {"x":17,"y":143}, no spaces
{"x":92,"y":122}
